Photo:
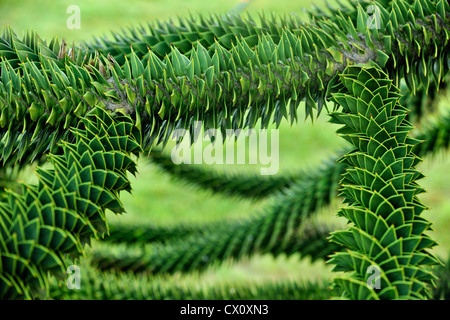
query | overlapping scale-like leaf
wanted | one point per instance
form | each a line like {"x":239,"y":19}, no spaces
{"x":55,"y":218}
{"x":387,"y":230}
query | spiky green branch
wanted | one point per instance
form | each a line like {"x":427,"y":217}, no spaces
{"x":253,"y":186}
{"x":278,"y":230}
{"x":139,"y":233}
{"x":46,"y":222}
{"x":228,"y":89}
{"x":386,"y":230}
{"x":208,"y":30}
{"x":435,"y":136}
{"x":196,"y":254}
{"x":127,"y":286}
{"x":226,"y":234}
{"x":42,"y":96}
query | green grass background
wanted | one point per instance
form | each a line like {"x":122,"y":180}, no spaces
{"x":158,"y":199}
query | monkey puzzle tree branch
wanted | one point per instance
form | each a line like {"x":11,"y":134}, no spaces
{"x":387,"y":231}
{"x":228,"y":89}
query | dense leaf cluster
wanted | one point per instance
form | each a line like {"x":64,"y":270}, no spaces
{"x":89,"y":109}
